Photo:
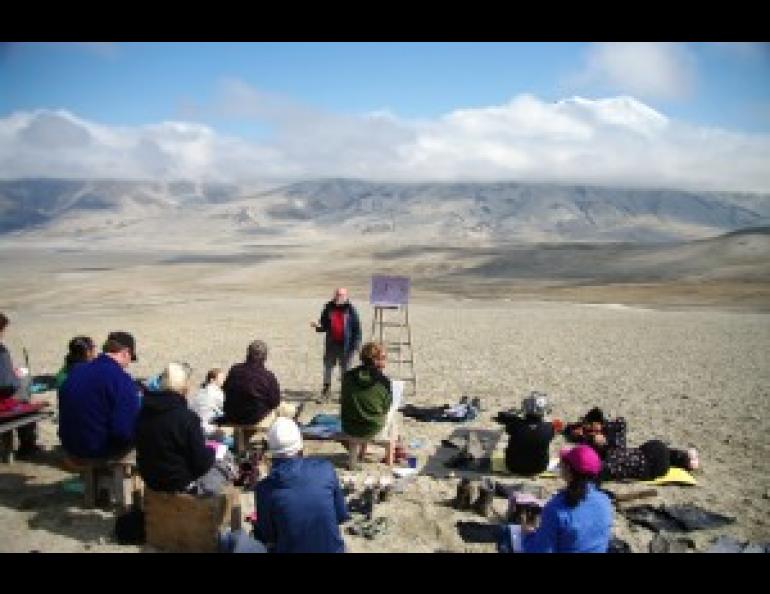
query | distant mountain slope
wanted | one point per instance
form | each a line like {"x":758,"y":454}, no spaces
{"x":410,"y":213}
{"x":29,"y":202}
{"x":513,"y":211}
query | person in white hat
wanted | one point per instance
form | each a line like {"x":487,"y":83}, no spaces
{"x":300,"y":504}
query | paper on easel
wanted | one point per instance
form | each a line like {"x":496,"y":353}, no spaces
{"x":397,"y":388}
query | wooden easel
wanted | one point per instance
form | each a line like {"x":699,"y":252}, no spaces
{"x":401,"y":346}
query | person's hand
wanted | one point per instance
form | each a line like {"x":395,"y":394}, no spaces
{"x":600,"y":440}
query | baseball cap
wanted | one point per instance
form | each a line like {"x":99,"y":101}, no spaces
{"x":284,"y":437}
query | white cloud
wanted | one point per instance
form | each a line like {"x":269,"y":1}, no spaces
{"x":616,"y":141}
{"x":658,"y":70}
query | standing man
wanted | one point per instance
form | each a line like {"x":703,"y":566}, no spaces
{"x":99,"y":403}
{"x":339,"y":320}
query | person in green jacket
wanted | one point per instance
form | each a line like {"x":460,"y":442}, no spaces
{"x":365,"y":409}
{"x":81,"y":350}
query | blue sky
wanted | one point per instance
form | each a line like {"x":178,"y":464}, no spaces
{"x":724,"y":86}
{"x":136,"y":83}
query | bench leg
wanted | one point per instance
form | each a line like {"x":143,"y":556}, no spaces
{"x":353,"y":455}
{"x":6,"y":447}
{"x":240,"y":445}
{"x":391,"y":455}
{"x":91,"y":485}
{"x":122,"y":486}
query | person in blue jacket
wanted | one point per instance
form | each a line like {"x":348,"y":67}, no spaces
{"x":300,"y":504}
{"x":99,"y":403}
{"x":578,"y":519}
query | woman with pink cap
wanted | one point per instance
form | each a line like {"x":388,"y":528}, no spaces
{"x":578,"y":519}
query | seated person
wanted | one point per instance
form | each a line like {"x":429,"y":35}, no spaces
{"x":578,"y":519}
{"x":252,"y":392}
{"x":11,"y":390}
{"x":529,"y":436}
{"x":366,"y":405}
{"x":99,"y":403}
{"x":81,"y":349}
{"x":299,"y":504}
{"x":171,"y":451}
{"x":649,"y":461}
{"x":209,"y":401}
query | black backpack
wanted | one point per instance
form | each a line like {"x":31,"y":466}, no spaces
{"x":129,"y":527}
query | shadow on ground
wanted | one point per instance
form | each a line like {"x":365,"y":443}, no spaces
{"x":56,"y":510}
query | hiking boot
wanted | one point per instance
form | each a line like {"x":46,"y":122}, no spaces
{"x":466,"y":493}
{"x":484,"y":504}
{"x":369,"y":499}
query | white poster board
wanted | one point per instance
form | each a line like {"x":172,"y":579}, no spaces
{"x":389,"y":291}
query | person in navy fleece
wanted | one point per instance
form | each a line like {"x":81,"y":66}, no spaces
{"x":300,"y":504}
{"x":100,"y":402}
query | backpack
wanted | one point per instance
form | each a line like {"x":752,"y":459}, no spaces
{"x":129,"y":527}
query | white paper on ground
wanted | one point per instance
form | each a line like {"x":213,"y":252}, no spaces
{"x":404,"y":472}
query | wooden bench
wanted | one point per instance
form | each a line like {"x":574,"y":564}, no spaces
{"x":183,"y":523}
{"x":125,"y":484}
{"x":354,"y":445}
{"x":242,"y":434}
{"x":8,"y":426}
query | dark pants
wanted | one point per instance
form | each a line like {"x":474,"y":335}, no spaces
{"x":660,"y":458}
{"x":334,"y":354}
{"x":27,"y":437}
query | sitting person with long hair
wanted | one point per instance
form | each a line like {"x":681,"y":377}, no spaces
{"x":578,"y":519}
{"x":81,"y":349}
{"x":208,"y":403}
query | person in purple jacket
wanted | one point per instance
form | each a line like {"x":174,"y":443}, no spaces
{"x":99,"y":403}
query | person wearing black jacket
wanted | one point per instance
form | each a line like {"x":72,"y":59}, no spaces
{"x":171,"y":451}
{"x":529,"y":436}
{"x":252,"y":392}
{"x":340,"y":322}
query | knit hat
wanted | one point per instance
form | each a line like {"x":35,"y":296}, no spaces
{"x":535,"y":405}
{"x":284,"y":437}
{"x":582,"y":459}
